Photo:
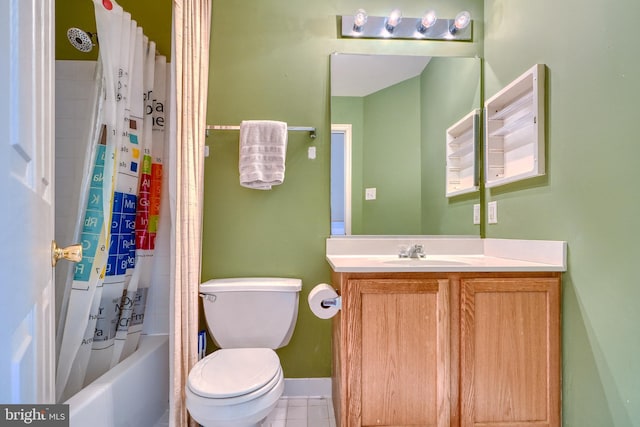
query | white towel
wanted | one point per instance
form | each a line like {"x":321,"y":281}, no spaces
{"x":263,"y":149}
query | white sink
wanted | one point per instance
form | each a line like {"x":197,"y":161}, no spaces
{"x":423,"y":262}
{"x":363,"y":254}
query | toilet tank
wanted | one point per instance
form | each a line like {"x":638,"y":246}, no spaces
{"x":251,"y":311}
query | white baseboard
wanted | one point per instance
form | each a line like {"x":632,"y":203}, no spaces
{"x":294,"y":387}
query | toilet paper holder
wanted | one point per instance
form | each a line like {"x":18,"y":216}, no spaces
{"x":332,"y":302}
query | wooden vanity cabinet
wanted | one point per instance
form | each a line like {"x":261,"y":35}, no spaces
{"x":510,"y":352}
{"x":445,"y":349}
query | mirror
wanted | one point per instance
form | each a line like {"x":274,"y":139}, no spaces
{"x":389,"y":116}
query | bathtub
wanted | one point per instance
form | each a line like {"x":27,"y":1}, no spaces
{"x":135,"y":393}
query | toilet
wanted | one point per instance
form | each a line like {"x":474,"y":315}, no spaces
{"x":248,"y":318}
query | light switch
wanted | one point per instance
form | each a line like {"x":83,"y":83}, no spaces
{"x":311,"y":152}
{"x":369,"y":193}
{"x":476,"y":214}
{"x":492,"y":212}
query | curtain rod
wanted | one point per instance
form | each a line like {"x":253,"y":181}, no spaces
{"x":311,"y":130}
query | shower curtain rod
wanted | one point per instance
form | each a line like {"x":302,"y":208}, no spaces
{"x":311,"y":130}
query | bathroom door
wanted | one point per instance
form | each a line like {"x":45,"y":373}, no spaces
{"x":27,"y":343}
{"x":341,"y":179}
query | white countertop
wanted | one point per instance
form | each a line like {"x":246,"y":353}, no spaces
{"x":366,"y":254}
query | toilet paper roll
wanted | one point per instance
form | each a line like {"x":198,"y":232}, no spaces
{"x":317,"y":295}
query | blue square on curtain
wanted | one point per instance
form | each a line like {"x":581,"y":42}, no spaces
{"x":82,"y":270}
{"x":129,"y":203}
{"x":121,"y":264}
{"x":113,"y":244}
{"x":117,"y":201}
{"x":98,"y":177}
{"x":132,"y":259}
{"x":92,"y":222}
{"x":98,"y":169}
{"x":112,"y":261}
{"x":95,"y":199}
{"x":125,"y":244}
{"x":116,"y":219}
{"x":100,"y":152}
{"x":128,"y":223}
{"x":89,"y":244}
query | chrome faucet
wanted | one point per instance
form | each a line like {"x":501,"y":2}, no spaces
{"x":416,"y":251}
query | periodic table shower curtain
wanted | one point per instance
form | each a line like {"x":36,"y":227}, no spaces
{"x":119,"y":210}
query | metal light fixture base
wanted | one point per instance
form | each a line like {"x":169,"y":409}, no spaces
{"x":407,"y":29}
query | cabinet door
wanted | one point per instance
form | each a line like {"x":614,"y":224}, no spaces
{"x":398,"y":352}
{"x":510,"y":352}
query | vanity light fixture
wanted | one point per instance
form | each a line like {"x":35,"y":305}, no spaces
{"x":395,"y":17}
{"x":395,"y":26}
{"x":359,"y":19}
{"x":462,"y":21}
{"x":428,"y":19}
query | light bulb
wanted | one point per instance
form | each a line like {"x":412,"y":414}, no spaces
{"x":463,"y":19}
{"x":393,"y":20}
{"x":359,"y":19}
{"x":428,"y":19}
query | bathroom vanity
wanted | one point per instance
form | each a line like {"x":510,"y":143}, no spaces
{"x":469,"y":335}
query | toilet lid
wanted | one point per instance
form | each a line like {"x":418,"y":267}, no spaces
{"x":233,"y":372}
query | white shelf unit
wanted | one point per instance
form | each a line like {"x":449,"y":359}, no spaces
{"x":462,"y":155}
{"x":514,"y":127}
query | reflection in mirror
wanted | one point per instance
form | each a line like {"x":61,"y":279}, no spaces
{"x":389,"y":176}
{"x":341,"y":179}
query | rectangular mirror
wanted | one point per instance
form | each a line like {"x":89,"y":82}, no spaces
{"x":389,"y":116}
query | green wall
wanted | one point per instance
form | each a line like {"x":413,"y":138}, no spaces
{"x":386,"y":156}
{"x":270,"y":60}
{"x":350,"y":110}
{"x":451,"y":89}
{"x":391,"y":158}
{"x":588,"y":195}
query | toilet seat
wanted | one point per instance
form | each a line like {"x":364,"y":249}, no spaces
{"x":225,"y":413}
{"x":233,"y":376}
{"x":234,"y":387}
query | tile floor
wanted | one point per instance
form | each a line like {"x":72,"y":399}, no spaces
{"x":293,"y":412}
{"x":302,"y":412}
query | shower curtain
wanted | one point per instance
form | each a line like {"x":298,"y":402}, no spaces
{"x":107,"y":290}
{"x":192,"y":27}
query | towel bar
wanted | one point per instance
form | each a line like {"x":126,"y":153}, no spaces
{"x":311,"y":130}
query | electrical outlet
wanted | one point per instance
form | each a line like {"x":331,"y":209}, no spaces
{"x":476,"y":214}
{"x":369,"y":193}
{"x":492,"y":212}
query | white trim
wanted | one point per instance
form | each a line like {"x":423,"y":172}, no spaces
{"x":347,"y":130}
{"x":298,"y":387}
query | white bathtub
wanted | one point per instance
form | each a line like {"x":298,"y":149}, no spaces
{"x":135,"y":393}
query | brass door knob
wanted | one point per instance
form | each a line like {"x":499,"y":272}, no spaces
{"x":70,"y":253}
